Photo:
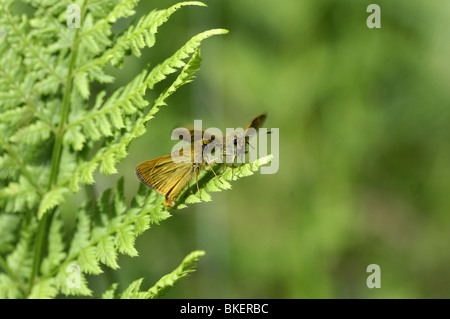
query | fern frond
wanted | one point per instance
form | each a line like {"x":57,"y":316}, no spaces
{"x":109,"y":293}
{"x":51,"y":199}
{"x":166,"y":282}
{"x":96,"y":38}
{"x":133,"y":291}
{"x":44,"y":289}
{"x":19,"y":261}
{"x":123,"y":101}
{"x":43,"y":67}
{"x":8,"y":168}
{"x":100,"y":242}
{"x":19,"y":196}
{"x":208,"y":183}
{"x":54,"y":136}
{"x":9,"y":224}
{"x":9,"y":288}
{"x":176,"y":61}
{"x":81,"y":238}
{"x":15,"y":88}
{"x":106,"y":253}
{"x":32,"y":134}
{"x":135,"y":38}
{"x":186,"y":76}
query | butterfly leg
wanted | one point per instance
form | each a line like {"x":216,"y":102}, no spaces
{"x":209,"y":164}
{"x":196,"y":181}
{"x":225,"y":165}
{"x":232,"y":171}
{"x":224,"y":168}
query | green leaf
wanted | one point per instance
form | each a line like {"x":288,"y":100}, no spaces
{"x":170,"y":65}
{"x":82,"y":84}
{"x":87,"y":172}
{"x":19,"y":260}
{"x":56,"y":249}
{"x":133,"y":291}
{"x":81,"y":238}
{"x":19,"y":196}
{"x":106,"y":252}
{"x":51,"y":199}
{"x":125,"y":240}
{"x":109,"y":293}
{"x":45,"y":289}
{"x":9,"y":288}
{"x":9,"y":224}
{"x":107,"y":165}
{"x":119,"y":198}
{"x":70,"y":282}
{"x":138,"y":36}
{"x":88,"y":261}
{"x":75,"y":138}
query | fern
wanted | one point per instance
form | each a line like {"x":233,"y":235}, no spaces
{"x":209,"y":184}
{"x":55,"y":134}
{"x":161,"y":287}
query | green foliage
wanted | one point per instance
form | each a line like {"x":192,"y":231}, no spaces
{"x":133,"y":291}
{"x":209,"y":184}
{"x":181,"y":271}
{"x":56,"y":132}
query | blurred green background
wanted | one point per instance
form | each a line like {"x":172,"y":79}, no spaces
{"x":364,"y":176}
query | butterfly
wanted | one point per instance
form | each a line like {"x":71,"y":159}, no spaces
{"x":169,"y":178}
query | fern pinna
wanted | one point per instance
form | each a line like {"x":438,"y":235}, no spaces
{"x":47,"y":122}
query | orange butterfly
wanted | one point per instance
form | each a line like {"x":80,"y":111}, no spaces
{"x":169,"y":178}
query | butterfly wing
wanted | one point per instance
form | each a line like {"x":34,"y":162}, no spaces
{"x":167,"y":177}
{"x":162,"y":173}
{"x":256,"y":122}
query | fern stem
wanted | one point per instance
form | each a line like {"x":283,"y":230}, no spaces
{"x":57,"y":147}
{"x":44,"y":224}
{"x":40,"y":243}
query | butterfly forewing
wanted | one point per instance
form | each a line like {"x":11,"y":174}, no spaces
{"x":162,"y":173}
{"x":167,"y":177}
